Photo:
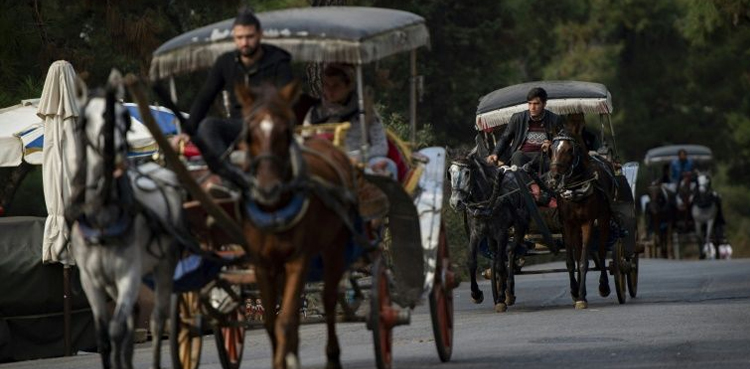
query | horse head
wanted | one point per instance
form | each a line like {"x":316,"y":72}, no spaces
{"x":101,"y":149}
{"x":269,"y":143}
{"x":658,"y":200}
{"x":566,"y":156}
{"x":459,"y":175}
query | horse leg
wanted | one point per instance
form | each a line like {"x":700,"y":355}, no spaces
{"x":287,"y":324}
{"x":571,"y":240}
{"x":98,"y":300}
{"x":121,"y":325}
{"x":583,"y":263}
{"x":519,"y":233}
{"x":334,"y":268}
{"x":163,"y":274}
{"x":268,"y":296}
{"x":709,"y":238}
{"x":476,"y":294}
{"x":501,"y":266}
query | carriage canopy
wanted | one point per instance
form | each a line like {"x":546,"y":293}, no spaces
{"x":665,"y":154}
{"x":563,"y":97}
{"x":355,"y":35}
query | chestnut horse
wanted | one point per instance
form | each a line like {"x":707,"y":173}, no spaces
{"x":584,"y":189}
{"x":301,"y":205}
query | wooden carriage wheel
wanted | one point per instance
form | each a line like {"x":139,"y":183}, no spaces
{"x":185,"y":330}
{"x":441,"y":300}
{"x":382,"y":317}
{"x":230,"y":339}
{"x":618,"y":271}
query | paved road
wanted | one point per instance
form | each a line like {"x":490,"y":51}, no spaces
{"x":688,"y":314}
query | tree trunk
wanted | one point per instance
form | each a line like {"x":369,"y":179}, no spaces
{"x":314,"y":71}
{"x":36,"y":13}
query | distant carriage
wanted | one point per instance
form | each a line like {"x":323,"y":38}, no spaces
{"x":667,"y":206}
{"x":417,"y":263}
{"x":564,"y":98}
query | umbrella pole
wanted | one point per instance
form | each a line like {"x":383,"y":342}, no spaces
{"x":66,"y":310}
{"x":173,"y":161}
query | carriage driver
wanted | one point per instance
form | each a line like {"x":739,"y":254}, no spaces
{"x":529,"y":132}
{"x":252,"y":64}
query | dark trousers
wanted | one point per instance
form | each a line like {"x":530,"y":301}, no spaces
{"x":520,"y":158}
{"x":214,"y":138}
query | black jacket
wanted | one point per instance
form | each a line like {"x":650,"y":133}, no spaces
{"x":228,"y":71}
{"x":515,"y":134}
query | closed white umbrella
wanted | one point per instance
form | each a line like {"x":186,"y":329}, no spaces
{"x":59,"y":111}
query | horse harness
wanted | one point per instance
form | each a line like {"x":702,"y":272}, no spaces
{"x":583,"y":188}
{"x":338,"y":199}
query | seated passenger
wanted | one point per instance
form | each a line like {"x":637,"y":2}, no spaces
{"x":339,"y":104}
{"x":680,"y":166}
{"x":528,"y":132}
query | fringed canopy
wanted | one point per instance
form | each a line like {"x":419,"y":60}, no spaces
{"x":354,"y":35}
{"x":563,"y":97}
{"x":666,"y":154}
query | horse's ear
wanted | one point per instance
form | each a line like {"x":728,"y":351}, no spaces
{"x":290,"y":92}
{"x":245,"y":95}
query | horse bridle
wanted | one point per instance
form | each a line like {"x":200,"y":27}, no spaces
{"x":576,"y":157}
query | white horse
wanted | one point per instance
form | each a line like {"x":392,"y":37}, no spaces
{"x":123,"y":219}
{"x":704,"y":211}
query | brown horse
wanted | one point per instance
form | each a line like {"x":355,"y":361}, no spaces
{"x":661,"y":214}
{"x":319,"y":179}
{"x":584,"y":189}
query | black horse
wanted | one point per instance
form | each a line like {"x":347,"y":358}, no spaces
{"x":489,"y":199}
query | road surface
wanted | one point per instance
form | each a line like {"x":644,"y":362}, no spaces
{"x":688,"y":314}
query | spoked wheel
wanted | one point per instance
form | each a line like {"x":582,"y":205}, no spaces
{"x":441,"y":300}
{"x":633,"y":275}
{"x":230,"y":339}
{"x":618,"y":261}
{"x":185,"y":335}
{"x":382,"y":317}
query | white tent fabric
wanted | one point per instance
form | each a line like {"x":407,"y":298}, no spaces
{"x":20,"y":134}
{"x":59,"y":110}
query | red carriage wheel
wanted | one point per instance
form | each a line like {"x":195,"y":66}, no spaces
{"x":382,"y":315}
{"x":441,"y":300}
{"x":230,"y":339}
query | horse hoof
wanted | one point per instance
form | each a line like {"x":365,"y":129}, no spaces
{"x":510,"y":300}
{"x":479,"y":298}
{"x":333,"y":365}
{"x":500,"y":307}
{"x":604,"y":290}
{"x":291,"y":361}
{"x":487,"y":274}
{"x":580,"y":305}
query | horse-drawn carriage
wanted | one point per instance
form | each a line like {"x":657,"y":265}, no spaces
{"x":414,"y":262}
{"x":669,"y":205}
{"x":482,"y":192}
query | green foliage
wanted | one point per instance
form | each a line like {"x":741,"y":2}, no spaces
{"x":678,"y":70}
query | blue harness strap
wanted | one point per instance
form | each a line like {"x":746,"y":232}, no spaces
{"x":96,"y":235}
{"x":280,"y":219}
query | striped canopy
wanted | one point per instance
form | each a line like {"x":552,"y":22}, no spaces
{"x":22,"y":132}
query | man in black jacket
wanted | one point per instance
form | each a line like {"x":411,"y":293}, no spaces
{"x":252,"y":64}
{"x":529,"y":132}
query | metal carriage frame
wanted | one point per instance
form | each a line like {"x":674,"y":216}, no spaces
{"x":420,"y":266}
{"x":570,"y":97}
